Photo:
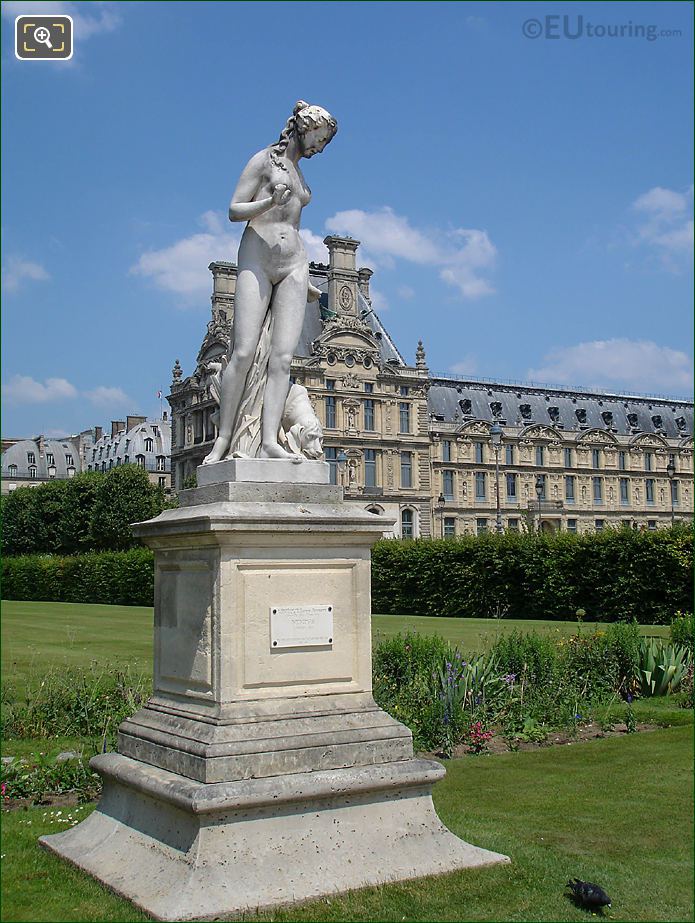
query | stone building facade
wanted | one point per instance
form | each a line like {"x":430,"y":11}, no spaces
{"x":419,"y":449}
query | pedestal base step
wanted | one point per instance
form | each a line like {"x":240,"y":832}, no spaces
{"x":182,"y":850}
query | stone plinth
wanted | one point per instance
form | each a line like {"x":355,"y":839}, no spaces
{"x":261,"y":771}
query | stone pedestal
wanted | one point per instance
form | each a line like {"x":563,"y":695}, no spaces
{"x":261,"y":771}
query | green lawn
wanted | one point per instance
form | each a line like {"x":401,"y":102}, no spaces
{"x":37,"y":636}
{"x":615,"y":811}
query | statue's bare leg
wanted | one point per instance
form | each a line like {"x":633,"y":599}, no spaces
{"x":289,"y":303}
{"x":253,"y":291}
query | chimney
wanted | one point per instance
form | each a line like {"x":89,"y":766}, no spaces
{"x":164,"y":416}
{"x":342,"y":275}
{"x":97,"y":433}
{"x":117,"y":426}
{"x":364,"y":275}
{"x":134,"y":421}
{"x":223,"y":291}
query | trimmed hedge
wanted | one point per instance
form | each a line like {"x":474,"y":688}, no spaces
{"x":613,"y":575}
{"x":124,"y":578}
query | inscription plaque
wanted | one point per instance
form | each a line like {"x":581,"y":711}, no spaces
{"x":300,"y":626}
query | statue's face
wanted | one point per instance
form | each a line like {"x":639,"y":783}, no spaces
{"x":313,"y":140}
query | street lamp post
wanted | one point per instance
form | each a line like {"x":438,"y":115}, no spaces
{"x":441,"y":503}
{"x":540,"y":488}
{"x":496,"y":436}
{"x":671,"y":472}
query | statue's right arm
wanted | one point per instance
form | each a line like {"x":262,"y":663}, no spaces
{"x":242,"y":207}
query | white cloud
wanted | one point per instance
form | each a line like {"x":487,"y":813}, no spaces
{"x":665,"y":223}
{"x":182,"y":267}
{"x":618,"y":364}
{"x":405,"y":292}
{"x":15,"y":270}
{"x":463,"y":256}
{"x":105,"y":397}
{"x":23,"y":389}
{"x":88,"y":18}
{"x":379,"y":300}
{"x":468,"y":365}
{"x":316,"y":250}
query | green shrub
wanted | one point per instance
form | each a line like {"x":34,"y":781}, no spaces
{"x":115,"y":578}
{"x":74,"y":703}
{"x":682,"y":629}
{"x":39,"y":777}
{"x":532,"y":655}
{"x":614,"y":575}
{"x":662,"y":666}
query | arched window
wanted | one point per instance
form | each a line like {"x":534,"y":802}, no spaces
{"x":149,"y":445}
{"x":140,"y":460}
{"x":407,"y":530}
{"x":375,"y":509}
{"x":32,"y":473}
{"x":161,"y":463}
{"x":13,"y":471}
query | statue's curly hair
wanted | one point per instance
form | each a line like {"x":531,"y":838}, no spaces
{"x":303,"y":118}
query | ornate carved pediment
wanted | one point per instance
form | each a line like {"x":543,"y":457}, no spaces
{"x":344,"y":336}
{"x":215,"y":342}
{"x":648,"y":440}
{"x":537,"y":431}
{"x":475,"y":428}
{"x":597,"y":437}
{"x":686,"y":443}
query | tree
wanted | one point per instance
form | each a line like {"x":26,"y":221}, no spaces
{"x":124,"y":496}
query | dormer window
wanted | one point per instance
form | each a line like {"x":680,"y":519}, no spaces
{"x":31,"y":459}
{"x":525,"y":411}
{"x":554,"y":414}
{"x":496,"y":409}
{"x":581,"y":414}
{"x":50,"y":459}
{"x":465,"y":406}
{"x":149,"y":445}
{"x":607,"y":418}
{"x":161,"y":463}
{"x":13,"y":471}
{"x":140,"y":461}
{"x":657,"y":421}
{"x":633,"y":421}
{"x":68,"y":460}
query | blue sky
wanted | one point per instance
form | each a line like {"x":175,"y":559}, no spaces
{"x":525,"y":202}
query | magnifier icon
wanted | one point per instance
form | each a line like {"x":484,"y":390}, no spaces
{"x":42,"y":35}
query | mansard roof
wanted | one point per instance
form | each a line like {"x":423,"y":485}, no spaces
{"x":455,"y":400}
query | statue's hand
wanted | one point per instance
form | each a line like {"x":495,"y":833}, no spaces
{"x":281,"y":193}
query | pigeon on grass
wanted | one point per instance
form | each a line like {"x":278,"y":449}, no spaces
{"x":588,"y":895}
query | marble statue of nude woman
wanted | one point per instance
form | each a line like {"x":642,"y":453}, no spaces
{"x":273,"y":276}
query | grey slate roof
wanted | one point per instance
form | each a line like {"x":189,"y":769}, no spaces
{"x":571,"y":410}
{"x":18,"y":454}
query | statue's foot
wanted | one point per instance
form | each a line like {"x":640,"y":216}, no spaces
{"x":217,"y":452}
{"x":273,"y":450}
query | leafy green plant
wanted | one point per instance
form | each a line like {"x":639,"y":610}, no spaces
{"x":38,"y":777}
{"x":682,"y":629}
{"x":662,"y":666}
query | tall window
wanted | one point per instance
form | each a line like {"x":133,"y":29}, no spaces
{"x":161,"y":463}
{"x":32,"y":473}
{"x":569,"y":487}
{"x":622,"y":461}
{"x":330,"y":384}
{"x":624,"y":490}
{"x":480,"y":491}
{"x":331,"y":455}
{"x":162,"y":482}
{"x":13,"y":471}
{"x":404,"y":409}
{"x":598,"y":489}
{"x":511,"y":487}
{"x":596,"y":458}
{"x":571,"y":525}
{"x":509,"y":454}
{"x":404,"y":390}
{"x":479,"y":453}
{"x":481,"y":526}
{"x":369,"y":414}
{"x":540,"y":455}
{"x":649,"y":490}
{"x":672,"y":460}
{"x":50,"y":458}
{"x":140,"y":461}
{"x":68,"y":460}
{"x":406,"y":469}
{"x":449,"y":527}
{"x":448,"y":484}
{"x":543,"y":481}
{"x":31,"y":458}
{"x":149,"y":445}
{"x":369,"y":387}
{"x":569,"y":461}
{"x":329,"y":403}
{"x":648,"y":461}
{"x":370,"y":467}
{"x":674,"y":492}
{"x":406,"y":523}
{"x":446,"y":450}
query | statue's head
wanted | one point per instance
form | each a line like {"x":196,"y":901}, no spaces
{"x":313,"y":127}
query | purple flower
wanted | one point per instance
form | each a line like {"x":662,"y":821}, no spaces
{"x":509,"y":678}
{"x":629,"y":699}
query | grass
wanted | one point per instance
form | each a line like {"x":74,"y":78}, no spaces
{"x":45,"y":635}
{"x":616,"y":811}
